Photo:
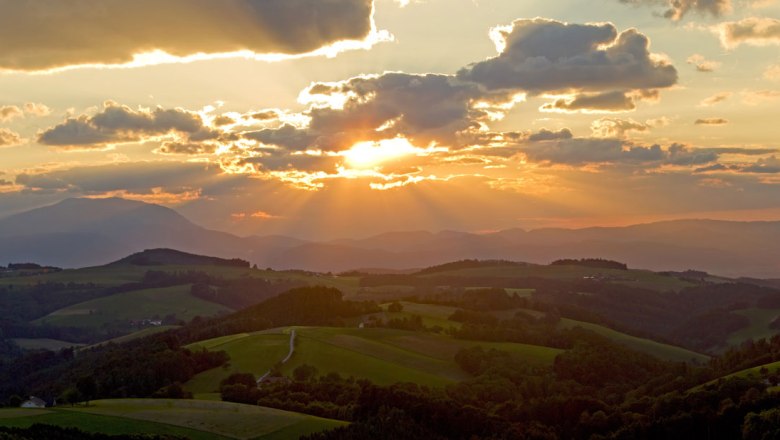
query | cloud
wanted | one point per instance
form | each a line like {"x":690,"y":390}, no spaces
{"x":770,"y":165}
{"x":711,"y":121}
{"x":772,"y":72}
{"x":10,"y":112}
{"x":541,"y":55}
{"x":600,"y":102}
{"x":48,"y":34}
{"x":601,"y":68}
{"x":753,"y":31}
{"x":9,"y":138}
{"x":37,"y":109}
{"x":702,"y":64}
{"x":756,"y":97}
{"x":677,"y":9}
{"x":189,"y":148}
{"x":117,"y":124}
{"x":616,"y":128}
{"x":714,"y":99}
{"x":547,"y":135}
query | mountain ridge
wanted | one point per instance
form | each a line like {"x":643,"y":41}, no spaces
{"x":84,"y":232}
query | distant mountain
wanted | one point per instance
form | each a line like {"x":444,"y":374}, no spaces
{"x":87,"y":232}
{"x":162,"y":257}
{"x":83,"y":232}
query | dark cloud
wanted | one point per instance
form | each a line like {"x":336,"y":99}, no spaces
{"x":117,"y":123}
{"x":543,"y":56}
{"x":191,"y":148}
{"x":616,"y":128}
{"x":422,"y":108}
{"x":770,"y":165}
{"x":45,"y":34}
{"x":606,"y":102}
{"x":711,"y":121}
{"x":548,"y":135}
{"x":9,"y":138}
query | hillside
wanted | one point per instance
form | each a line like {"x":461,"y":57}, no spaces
{"x":384,"y":356}
{"x":191,"y":419}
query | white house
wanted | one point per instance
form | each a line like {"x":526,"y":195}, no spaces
{"x":34,"y":402}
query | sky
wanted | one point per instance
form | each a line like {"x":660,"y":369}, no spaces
{"x":345,"y":118}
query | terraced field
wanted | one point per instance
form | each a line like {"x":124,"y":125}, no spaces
{"x":193,"y":419}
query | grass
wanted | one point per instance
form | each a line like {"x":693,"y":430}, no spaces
{"x":635,"y":278}
{"x":135,"y":335}
{"x":758,"y":328}
{"x":44,"y":344}
{"x":136,"y":305}
{"x":187,"y":418}
{"x":662,"y":351}
{"x":249,"y":353}
{"x":384,"y":356}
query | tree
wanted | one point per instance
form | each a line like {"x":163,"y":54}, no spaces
{"x":87,"y":387}
{"x":395,"y":307}
{"x":304,"y":373}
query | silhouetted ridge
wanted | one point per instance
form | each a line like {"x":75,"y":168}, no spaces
{"x":162,"y":257}
{"x":468,"y":264}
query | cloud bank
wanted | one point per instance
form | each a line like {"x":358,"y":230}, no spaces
{"x":50,"y":34}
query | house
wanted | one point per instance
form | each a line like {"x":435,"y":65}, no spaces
{"x":33,"y":402}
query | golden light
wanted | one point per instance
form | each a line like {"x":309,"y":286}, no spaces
{"x":365,"y":155}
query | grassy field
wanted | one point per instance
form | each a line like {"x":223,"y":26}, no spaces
{"x":758,"y":328}
{"x":434,"y":314}
{"x":44,"y":344}
{"x":636,"y":278}
{"x":383,"y":356}
{"x":188,"y":418}
{"x":249,"y":353}
{"x":136,"y":305}
{"x":135,"y":335}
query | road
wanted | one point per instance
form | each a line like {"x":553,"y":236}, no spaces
{"x":284,"y":361}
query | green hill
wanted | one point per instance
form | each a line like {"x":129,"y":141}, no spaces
{"x":168,"y":257}
{"x":135,"y":305}
{"x":384,"y":356}
{"x":194,"y":419}
{"x":434,"y":314}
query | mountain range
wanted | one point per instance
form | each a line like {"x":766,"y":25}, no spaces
{"x":86,"y":232}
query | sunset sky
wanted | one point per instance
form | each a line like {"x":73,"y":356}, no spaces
{"x":338,"y":118}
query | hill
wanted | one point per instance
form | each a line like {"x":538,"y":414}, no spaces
{"x":384,"y":356}
{"x":172,"y":257}
{"x":186,"y":418}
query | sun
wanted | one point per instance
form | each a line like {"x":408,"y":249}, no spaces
{"x":370,"y":154}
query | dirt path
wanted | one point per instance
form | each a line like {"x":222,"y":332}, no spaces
{"x":284,"y":361}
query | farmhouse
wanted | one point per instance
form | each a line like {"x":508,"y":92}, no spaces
{"x":34,"y":402}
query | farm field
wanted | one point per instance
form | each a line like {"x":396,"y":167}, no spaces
{"x":384,"y":356}
{"x":43,"y":344}
{"x":249,"y":353}
{"x":759,"y":325}
{"x":189,"y":418}
{"x":136,"y":305}
{"x":636,"y":278}
{"x":434,"y":314}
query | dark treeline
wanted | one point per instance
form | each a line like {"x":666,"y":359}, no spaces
{"x":591,"y":262}
{"x":41,"y":431}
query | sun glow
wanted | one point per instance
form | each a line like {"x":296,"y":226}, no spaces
{"x":364,"y":155}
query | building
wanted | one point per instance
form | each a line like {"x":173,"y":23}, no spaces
{"x":34,"y":402}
